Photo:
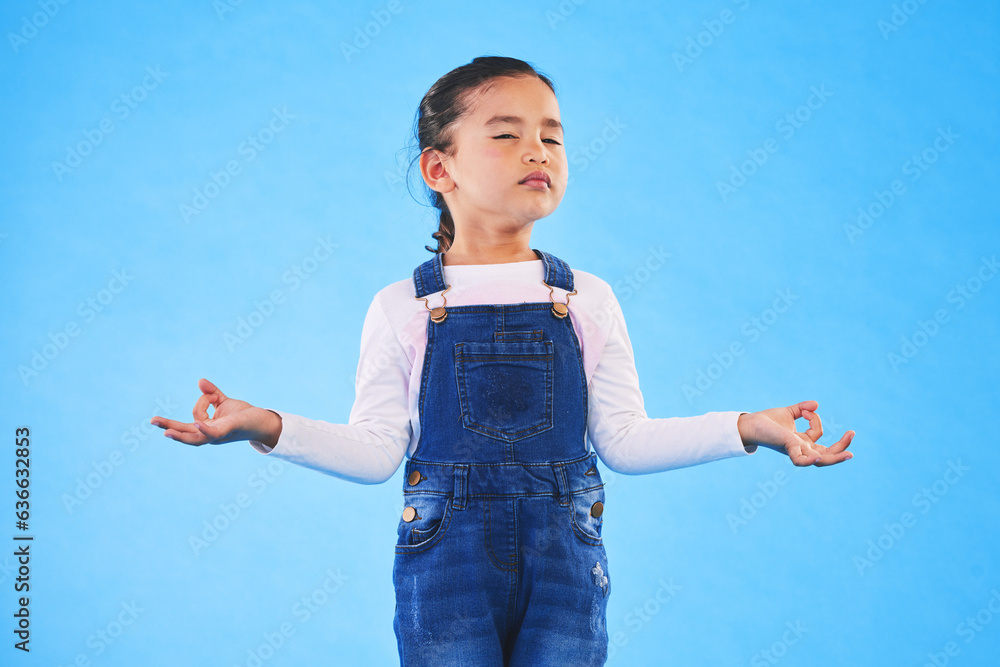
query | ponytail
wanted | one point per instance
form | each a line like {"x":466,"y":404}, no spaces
{"x":445,"y":234}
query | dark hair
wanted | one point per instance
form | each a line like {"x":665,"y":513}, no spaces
{"x":445,"y":103}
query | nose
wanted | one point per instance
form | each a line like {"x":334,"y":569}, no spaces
{"x":536,"y":152}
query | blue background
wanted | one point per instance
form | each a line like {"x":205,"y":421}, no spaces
{"x":879,"y":560}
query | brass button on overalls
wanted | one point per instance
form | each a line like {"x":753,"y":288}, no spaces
{"x":597,"y":509}
{"x":409,"y":514}
{"x":415,"y":478}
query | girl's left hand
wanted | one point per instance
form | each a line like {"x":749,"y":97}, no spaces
{"x":775,"y":429}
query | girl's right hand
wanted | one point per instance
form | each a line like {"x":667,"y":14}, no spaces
{"x":232,"y":420}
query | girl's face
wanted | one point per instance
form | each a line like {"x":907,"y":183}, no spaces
{"x":509,"y":132}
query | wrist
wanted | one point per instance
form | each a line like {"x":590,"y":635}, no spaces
{"x":272,"y":429}
{"x":743,"y":427}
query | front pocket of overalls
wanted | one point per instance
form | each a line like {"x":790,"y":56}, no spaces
{"x":432,"y":517}
{"x":583,"y":507}
{"x":505,"y":388}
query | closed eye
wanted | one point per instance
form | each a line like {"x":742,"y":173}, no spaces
{"x":508,"y":134}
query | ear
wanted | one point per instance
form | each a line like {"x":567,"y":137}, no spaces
{"x":435,"y":172}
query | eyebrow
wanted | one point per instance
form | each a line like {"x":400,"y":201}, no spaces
{"x":514,"y":120}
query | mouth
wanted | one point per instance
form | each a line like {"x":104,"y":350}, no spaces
{"x":537,"y":179}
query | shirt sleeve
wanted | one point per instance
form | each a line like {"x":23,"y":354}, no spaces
{"x":370,"y":447}
{"x":630,"y":442}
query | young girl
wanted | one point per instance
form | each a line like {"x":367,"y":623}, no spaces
{"x":494,"y":369}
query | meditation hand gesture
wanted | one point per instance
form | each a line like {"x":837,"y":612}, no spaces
{"x":775,"y":429}
{"x":232,"y":420}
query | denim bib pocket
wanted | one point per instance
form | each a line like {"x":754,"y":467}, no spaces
{"x":505,"y":388}
{"x":583,"y":507}
{"x":430,"y":515}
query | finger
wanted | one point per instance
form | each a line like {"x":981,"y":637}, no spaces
{"x":169,"y":423}
{"x":800,"y":454}
{"x":209,"y":388}
{"x":815,"y":430}
{"x":803,"y":405}
{"x":187,"y":434}
{"x":840,"y":445}
{"x":833,"y":459}
{"x":217,"y":429}
{"x":201,"y":406}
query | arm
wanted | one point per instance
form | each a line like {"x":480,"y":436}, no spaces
{"x":368,"y":449}
{"x":630,"y":442}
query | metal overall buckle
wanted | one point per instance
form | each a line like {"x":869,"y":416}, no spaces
{"x":437,"y":314}
{"x":560,"y":310}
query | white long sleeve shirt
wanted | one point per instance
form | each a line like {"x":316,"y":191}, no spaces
{"x":384,"y":424}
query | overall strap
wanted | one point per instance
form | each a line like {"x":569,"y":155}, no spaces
{"x":557,"y":273}
{"x":428,"y":277}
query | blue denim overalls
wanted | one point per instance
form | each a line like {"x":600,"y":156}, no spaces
{"x":499,"y":558}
